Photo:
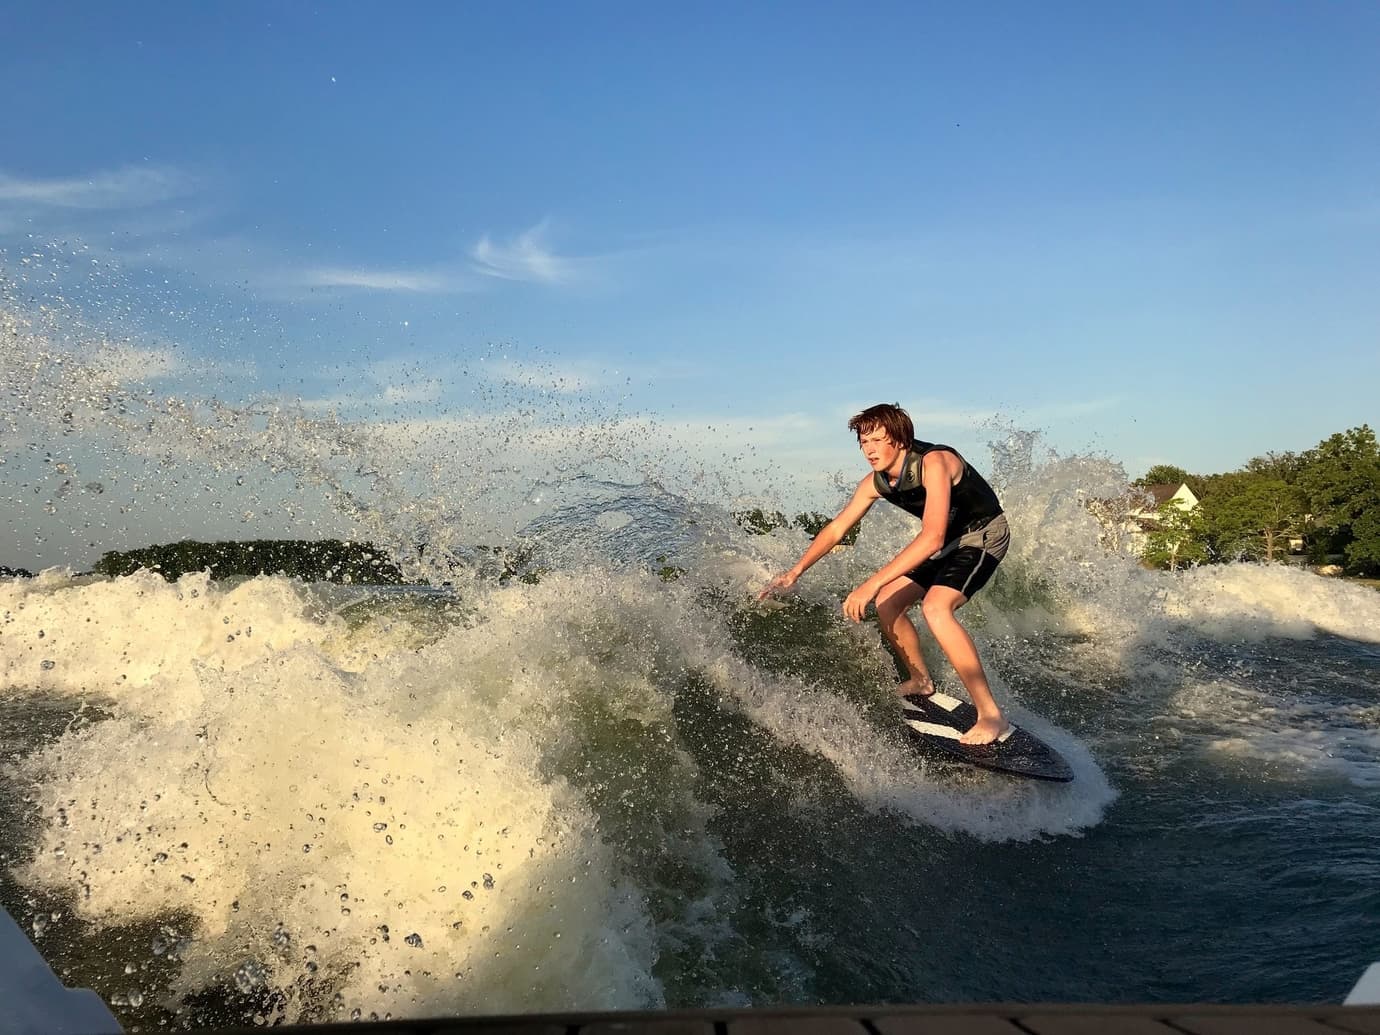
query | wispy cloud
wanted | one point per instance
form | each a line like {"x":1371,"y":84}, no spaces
{"x":428,"y":391}
{"x":496,"y":372}
{"x":128,"y":187}
{"x":1077,"y":408}
{"x":547,"y":377}
{"x":525,"y":257}
{"x":127,"y":364}
{"x":929,"y":414}
{"x":161,"y":214}
{"x":413,"y":281}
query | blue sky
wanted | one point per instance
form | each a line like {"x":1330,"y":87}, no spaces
{"x":1151,"y":230}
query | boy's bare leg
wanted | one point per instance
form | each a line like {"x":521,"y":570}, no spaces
{"x":892,"y":603}
{"x":939,"y":606}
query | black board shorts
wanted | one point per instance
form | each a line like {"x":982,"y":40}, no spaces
{"x":969,"y":561}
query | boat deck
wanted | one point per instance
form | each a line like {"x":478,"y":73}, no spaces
{"x":1013,"y":1019}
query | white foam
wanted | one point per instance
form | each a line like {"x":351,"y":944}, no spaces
{"x":1252,"y":600}
{"x":882,"y":771}
{"x":284,"y":800}
{"x":886,"y":774}
{"x":1283,"y":734}
{"x":120,"y":638}
{"x":253,"y":783}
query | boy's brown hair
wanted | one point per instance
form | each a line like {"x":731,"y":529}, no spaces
{"x":890,"y":418}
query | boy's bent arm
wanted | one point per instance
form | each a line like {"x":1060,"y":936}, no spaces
{"x":829,"y":536}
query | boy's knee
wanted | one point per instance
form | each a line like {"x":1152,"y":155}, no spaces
{"x":936,"y":610}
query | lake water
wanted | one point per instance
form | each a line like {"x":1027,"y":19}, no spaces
{"x":610,"y":789}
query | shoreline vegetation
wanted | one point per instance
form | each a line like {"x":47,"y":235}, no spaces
{"x":356,"y":563}
{"x":323,"y":560}
{"x":364,"y":564}
{"x":1320,"y":507}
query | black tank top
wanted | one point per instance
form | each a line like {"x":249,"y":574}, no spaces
{"x":972,"y":502}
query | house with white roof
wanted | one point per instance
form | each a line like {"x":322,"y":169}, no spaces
{"x":1128,"y":519}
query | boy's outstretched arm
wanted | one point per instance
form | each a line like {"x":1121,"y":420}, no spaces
{"x":829,"y":537}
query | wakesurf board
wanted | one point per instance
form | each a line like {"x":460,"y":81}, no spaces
{"x":938,"y":720}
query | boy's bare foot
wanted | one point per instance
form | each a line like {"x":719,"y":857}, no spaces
{"x":984,"y":731}
{"x":915,"y":685}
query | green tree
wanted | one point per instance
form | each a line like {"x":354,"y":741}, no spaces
{"x":1340,"y":478}
{"x":1162,"y":474}
{"x":1283,"y":466}
{"x":1177,"y":537}
{"x":1363,"y":552}
{"x":813,"y":523}
{"x":758,"y":521}
{"x":1253,"y":515}
{"x":325,"y":560}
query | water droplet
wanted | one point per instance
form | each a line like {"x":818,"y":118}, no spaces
{"x":250,"y":975}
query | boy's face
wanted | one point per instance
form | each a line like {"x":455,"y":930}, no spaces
{"x":880,"y":451}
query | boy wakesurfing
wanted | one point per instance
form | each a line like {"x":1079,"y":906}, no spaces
{"x":963,"y":537}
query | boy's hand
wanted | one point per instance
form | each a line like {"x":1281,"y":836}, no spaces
{"x":783,"y":581}
{"x":856,"y":604}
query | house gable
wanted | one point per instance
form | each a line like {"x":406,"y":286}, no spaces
{"x":1164,"y":492}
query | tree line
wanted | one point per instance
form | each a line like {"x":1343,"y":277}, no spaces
{"x":323,"y":560}
{"x":1327,"y":497}
{"x":760,"y":522}
{"x":334,"y":560}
